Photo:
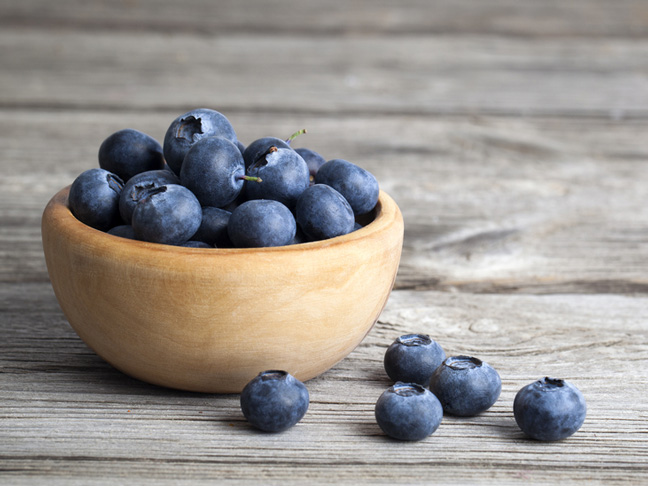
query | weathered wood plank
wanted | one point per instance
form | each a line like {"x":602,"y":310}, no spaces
{"x":490,"y":204}
{"x":343,"y":75}
{"x":67,"y":416}
{"x":555,"y":18}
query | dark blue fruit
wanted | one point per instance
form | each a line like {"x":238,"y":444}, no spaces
{"x":408,"y":411}
{"x":168,"y":214}
{"x":261,"y":223}
{"x":187,"y":129}
{"x":357,"y":185}
{"x":213,"y":227}
{"x":465,"y":386}
{"x":274,"y":401}
{"x":284,"y":176}
{"x":313,"y":160}
{"x":94,"y":198}
{"x":122,"y":230}
{"x":413,"y":358}
{"x":323,"y":213}
{"x":196,"y":244}
{"x":138,"y":185}
{"x":213,"y":170}
{"x":129,"y":152}
{"x":549,"y":409}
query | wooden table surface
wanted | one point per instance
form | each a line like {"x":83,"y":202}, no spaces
{"x":513,"y":136}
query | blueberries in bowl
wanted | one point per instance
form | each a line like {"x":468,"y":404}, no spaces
{"x":187,"y":129}
{"x":138,"y":185}
{"x":413,"y":358}
{"x":168,"y":214}
{"x":261,"y":223}
{"x":94,"y":198}
{"x":358,"y":186}
{"x":129,"y":152}
{"x":324,"y":213}
{"x":274,"y":401}
{"x":549,"y":409}
{"x":465,"y":386}
{"x":254,"y":154}
{"x":408,"y":411}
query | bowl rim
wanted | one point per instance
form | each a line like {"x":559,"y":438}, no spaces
{"x":58,"y":216}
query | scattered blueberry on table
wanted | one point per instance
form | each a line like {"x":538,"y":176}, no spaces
{"x":549,"y":409}
{"x":412,"y":358}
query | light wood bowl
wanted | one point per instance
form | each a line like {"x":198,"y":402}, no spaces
{"x":210,"y":320}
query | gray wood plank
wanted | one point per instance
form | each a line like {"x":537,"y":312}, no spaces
{"x":69,"y":418}
{"x":490,"y":204}
{"x":348,"y":75}
{"x":555,"y":18}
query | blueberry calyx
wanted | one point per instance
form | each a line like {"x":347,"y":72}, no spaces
{"x":261,"y":161}
{"x":463,"y":362}
{"x":414,"y":340}
{"x":155,"y":190}
{"x":189,"y":127}
{"x":407,"y":389}
{"x":115,"y":182}
{"x":550,"y":384}
{"x":273,"y":375}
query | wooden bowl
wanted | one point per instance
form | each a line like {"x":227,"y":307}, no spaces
{"x":210,"y":320}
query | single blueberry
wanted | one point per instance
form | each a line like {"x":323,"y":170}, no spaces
{"x":549,"y":409}
{"x":413,"y":358}
{"x":465,"y":386}
{"x":129,"y":152}
{"x":138,"y":185}
{"x":261,"y":223}
{"x":323,"y":213}
{"x":284,"y":176}
{"x":213,"y":227}
{"x":94,"y":198}
{"x":187,"y":129}
{"x":274,"y":401}
{"x":168,"y":214}
{"x":313,"y":160}
{"x":123,"y":231}
{"x":408,"y":411}
{"x":357,"y":185}
{"x":213,"y":171}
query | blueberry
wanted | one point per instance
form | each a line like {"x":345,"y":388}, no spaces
{"x":259,"y":148}
{"x":274,"y":401}
{"x":283,"y":174}
{"x":213,"y":227}
{"x":357,"y":185}
{"x":412,"y":358}
{"x":213,"y":170}
{"x":465,"y":386}
{"x":408,"y":411}
{"x":129,"y":152}
{"x":137,"y":186}
{"x":168,"y":214}
{"x":313,"y":160}
{"x":549,"y":409}
{"x":94,"y":198}
{"x":323,"y":213}
{"x":123,"y":231}
{"x":187,"y":129}
{"x":261,"y":223}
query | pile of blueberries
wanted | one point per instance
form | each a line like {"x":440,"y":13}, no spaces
{"x":204,"y":188}
{"x":427,"y":385}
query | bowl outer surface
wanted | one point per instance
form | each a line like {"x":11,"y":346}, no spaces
{"x":210,"y":320}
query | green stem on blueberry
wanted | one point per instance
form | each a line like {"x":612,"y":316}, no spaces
{"x":295,"y":135}
{"x":250,"y":178}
